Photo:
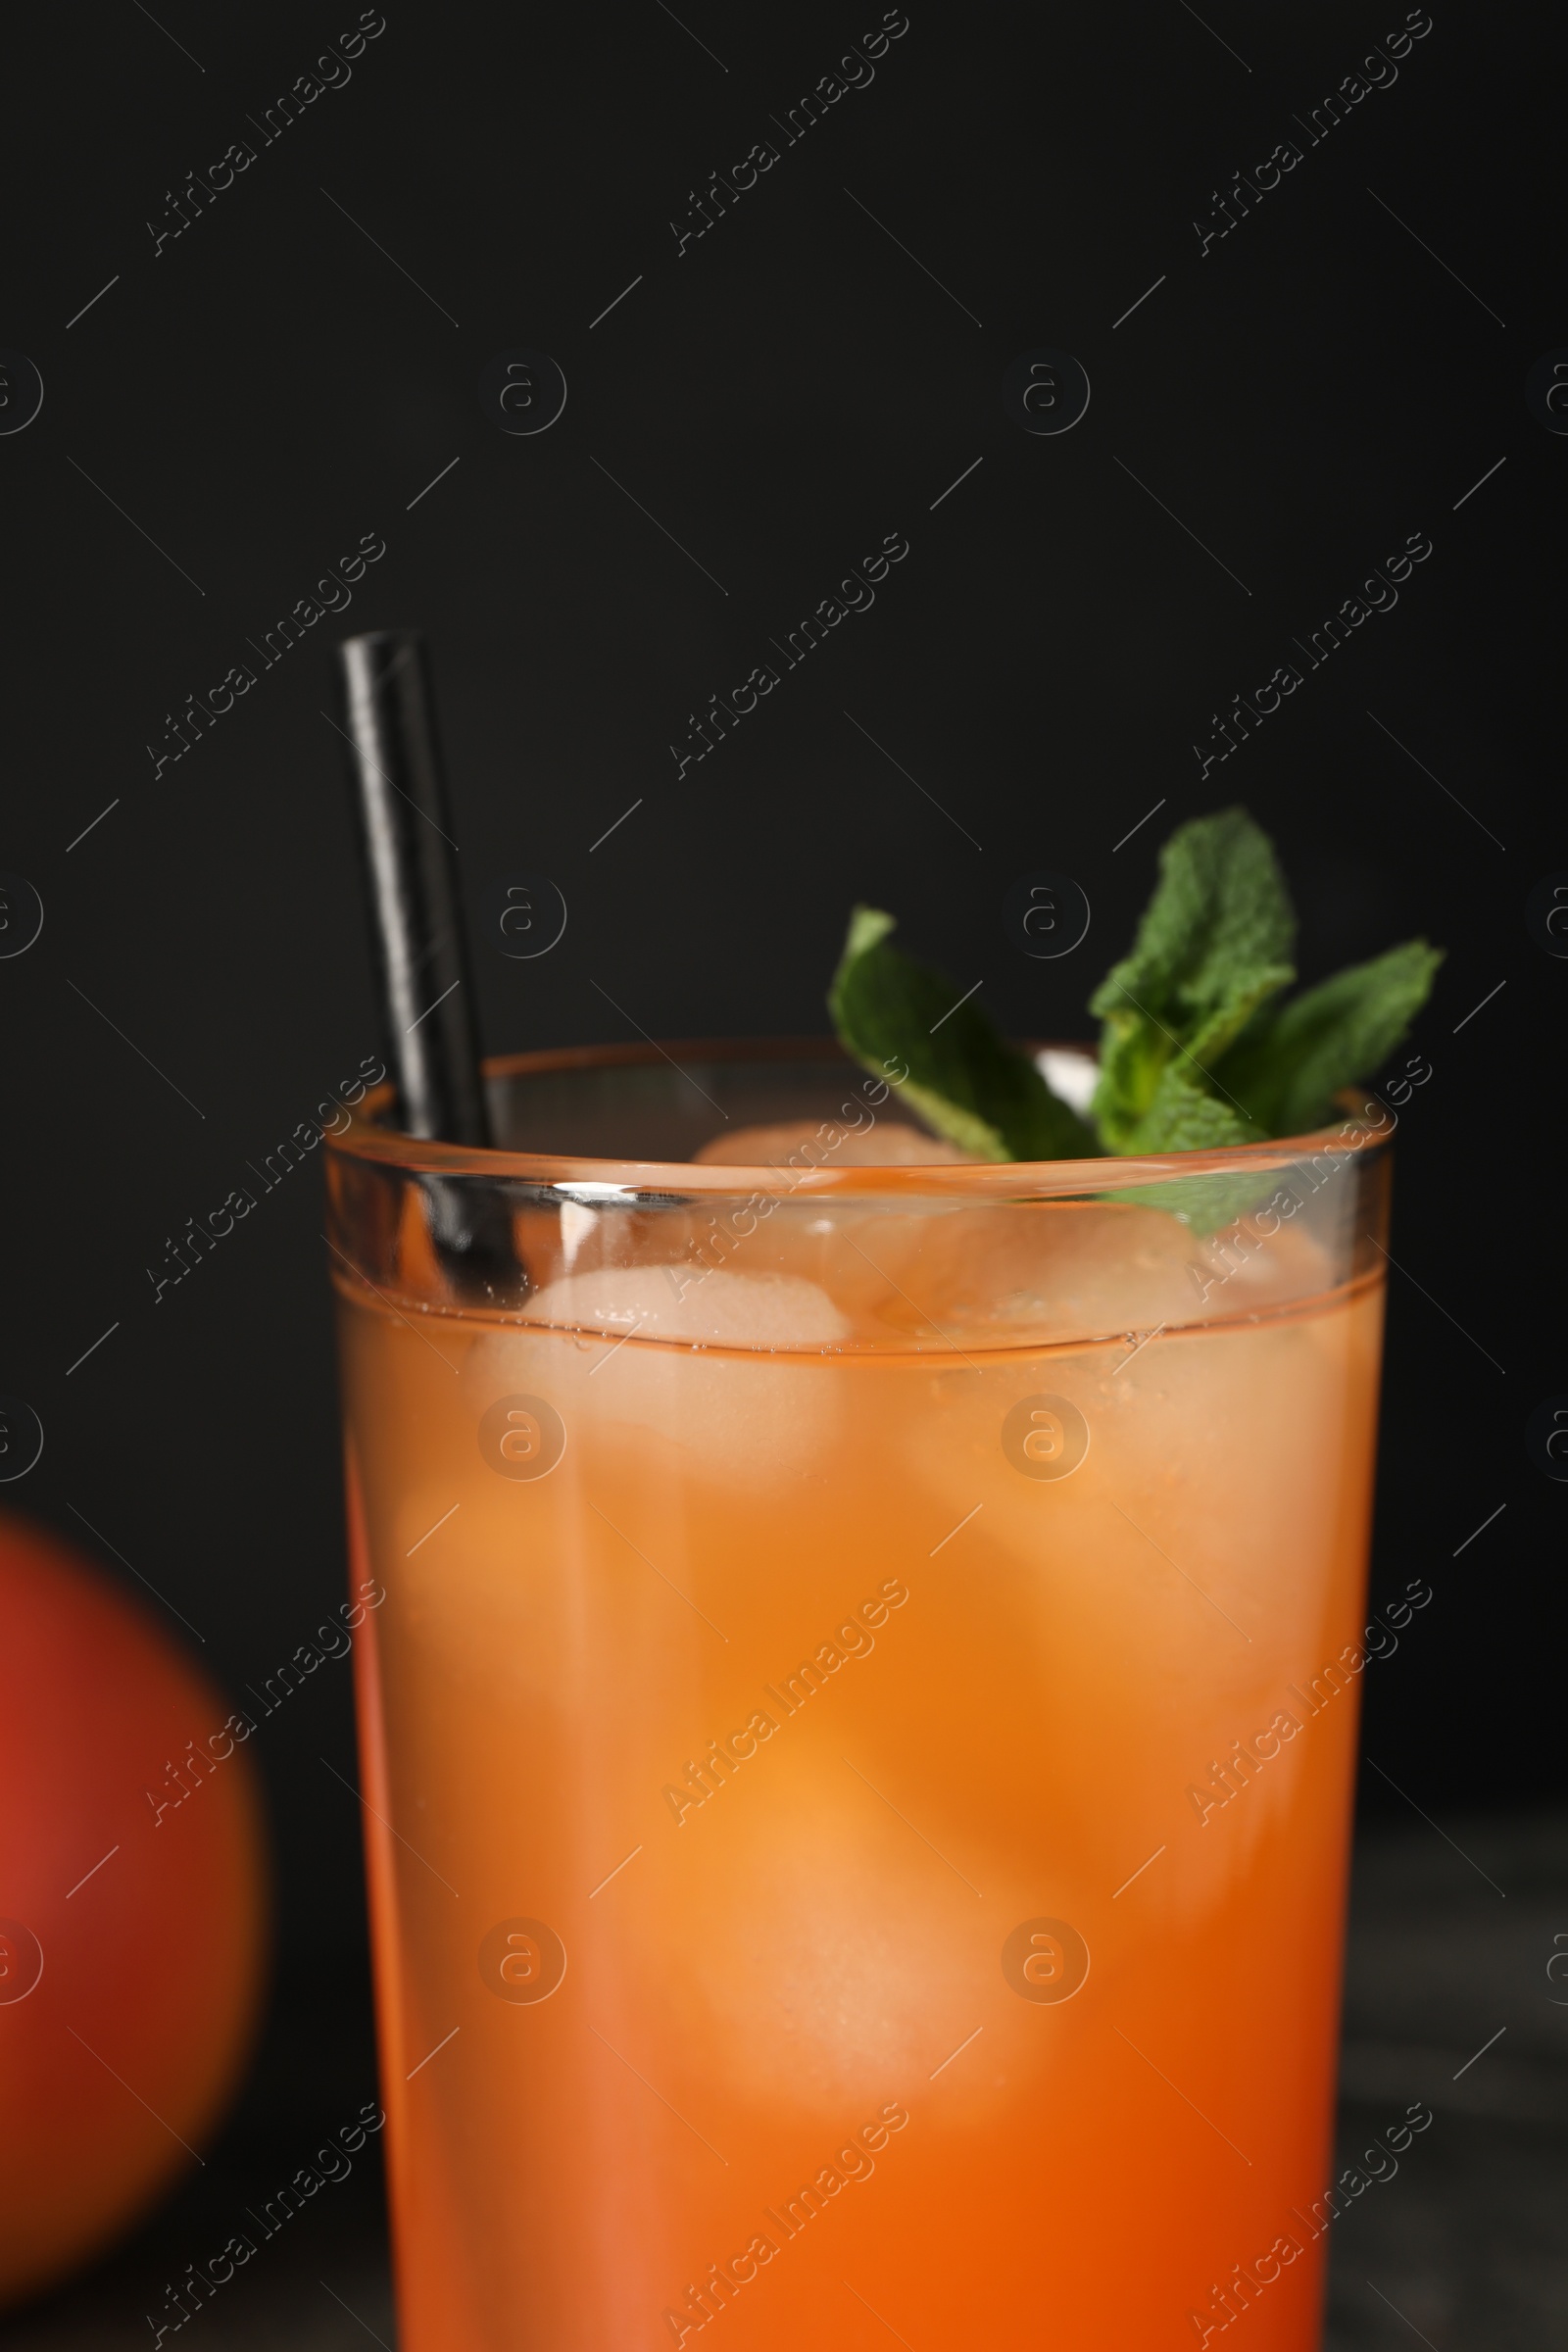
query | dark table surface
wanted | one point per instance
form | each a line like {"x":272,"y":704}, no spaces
{"x":1467,"y":2245}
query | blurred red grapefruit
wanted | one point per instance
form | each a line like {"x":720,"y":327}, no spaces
{"x":132,"y":1908}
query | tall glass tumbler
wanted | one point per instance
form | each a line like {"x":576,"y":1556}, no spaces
{"x":859,"y":1737}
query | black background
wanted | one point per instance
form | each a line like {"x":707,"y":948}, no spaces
{"x":781,"y":395}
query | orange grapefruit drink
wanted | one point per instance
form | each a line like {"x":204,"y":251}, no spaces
{"x":859,"y":1744}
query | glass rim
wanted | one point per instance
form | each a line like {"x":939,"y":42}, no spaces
{"x":975,"y":1180}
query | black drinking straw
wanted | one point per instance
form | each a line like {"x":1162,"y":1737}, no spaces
{"x":427,"y":988}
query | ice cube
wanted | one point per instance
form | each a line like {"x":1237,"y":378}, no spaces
{"x":727,"y":1379}
{"x":765,"y":1311}
{"x":890,"y":1144}
{"x":1014,"y":1272}
{"x":831,"y":1957}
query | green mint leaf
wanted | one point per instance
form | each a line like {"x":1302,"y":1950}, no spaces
{"x":1288,"y":1070}
{"x":1214,"y":945}
{"x":1184,"y":1116}
{"x":963,"y":1077}
{"x":1197,"y":1053}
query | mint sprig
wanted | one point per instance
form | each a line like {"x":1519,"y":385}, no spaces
{"x":962,"y":1075}
{"x":1198,"y":1050}
{"x":1214,"y":944}
{"x":1332,"y":1035}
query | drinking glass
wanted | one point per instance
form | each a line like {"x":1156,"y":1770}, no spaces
{"x":858,"y":1736}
